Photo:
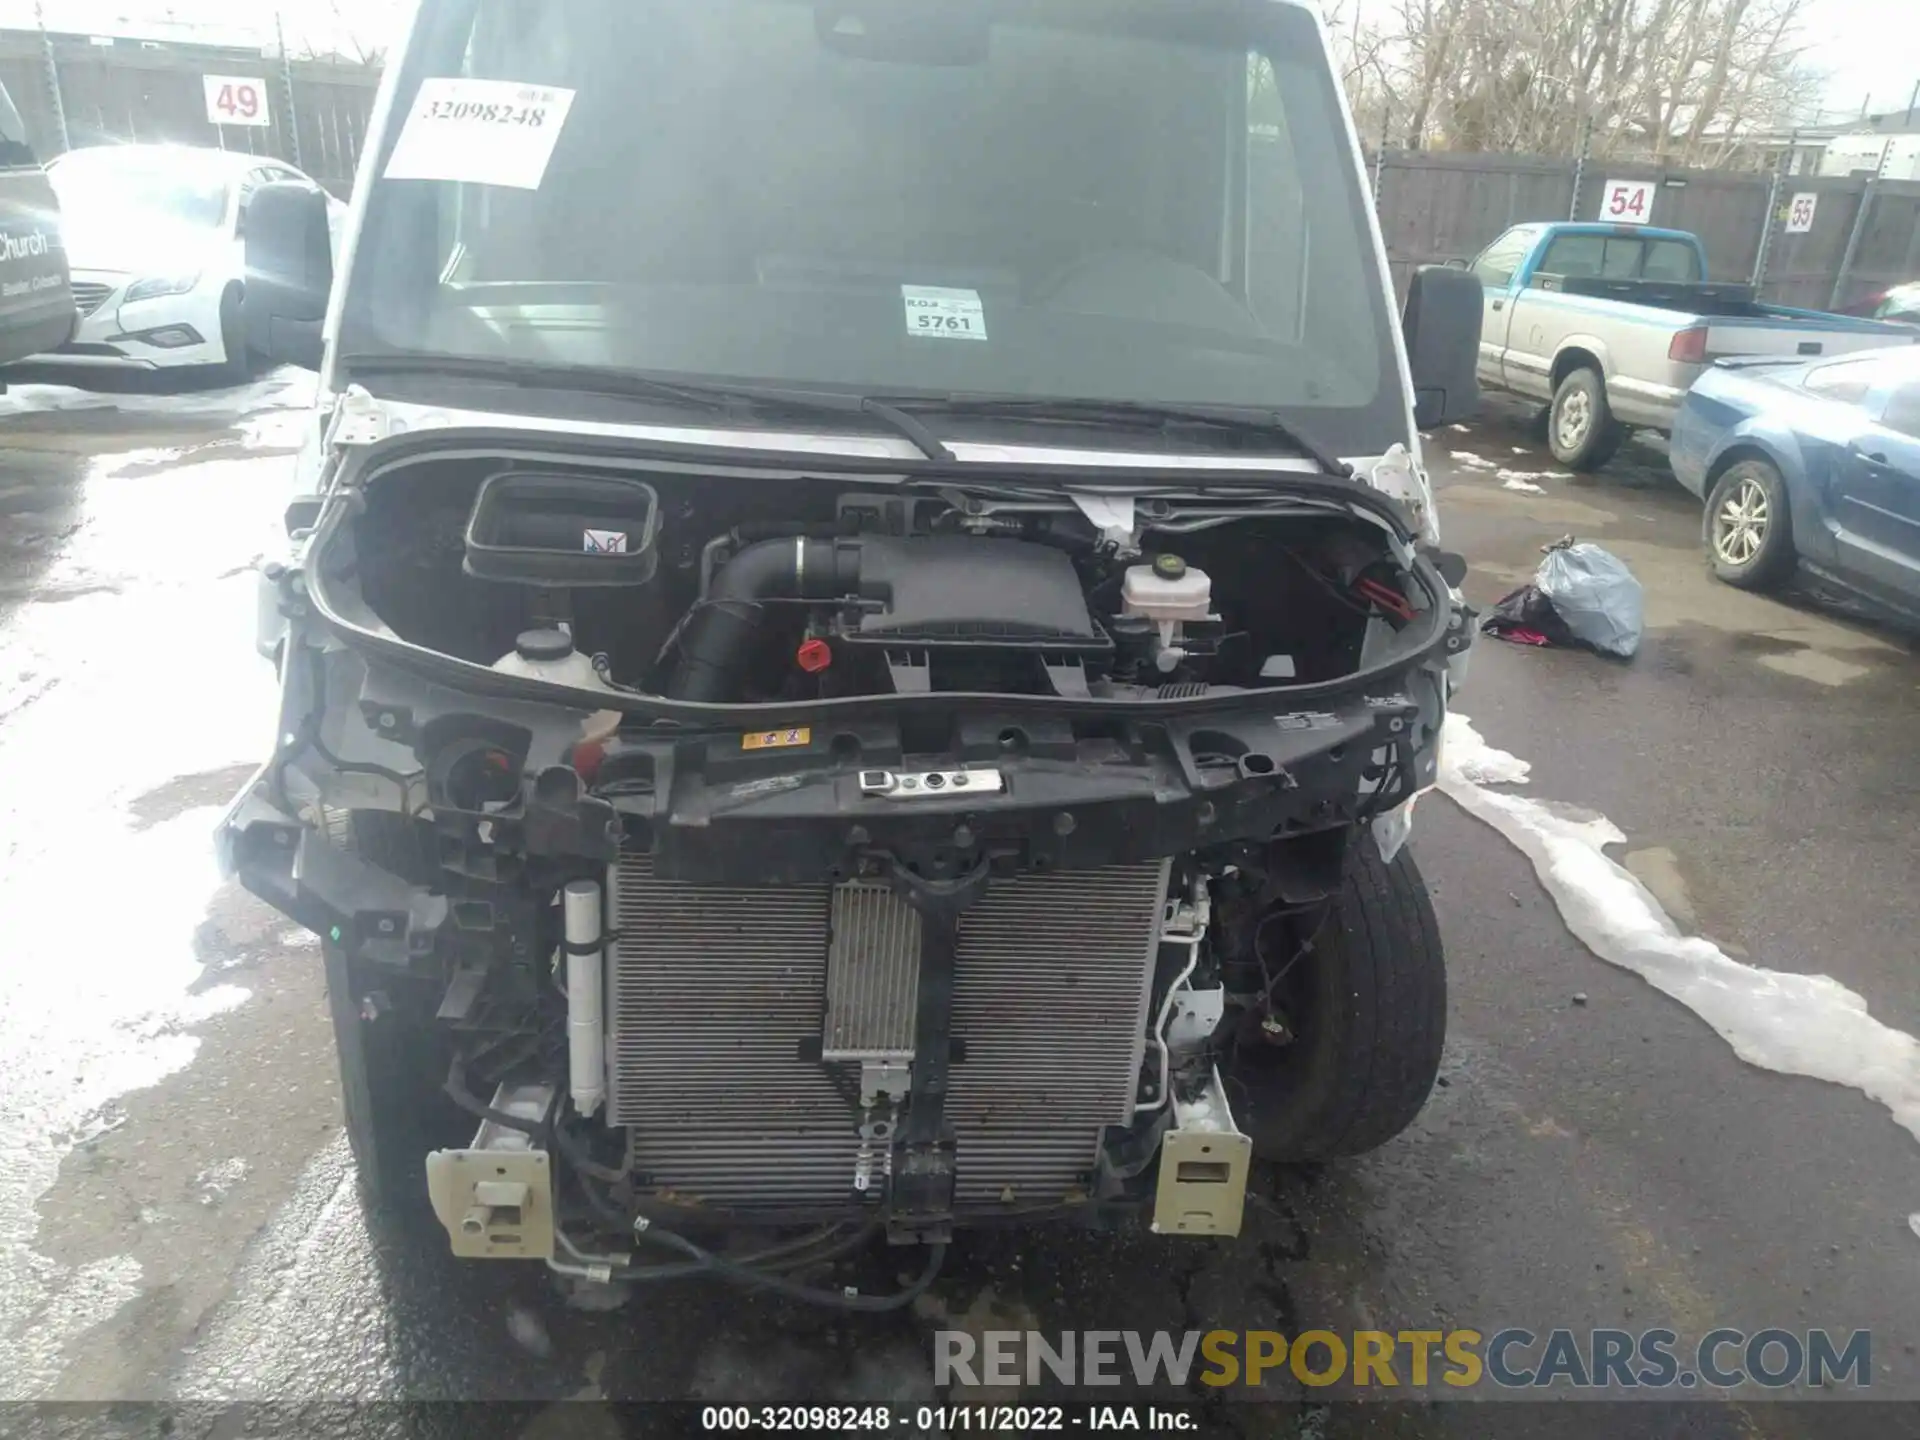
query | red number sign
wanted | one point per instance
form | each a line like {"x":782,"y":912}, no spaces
{"x":236,"y":100}
{"x":1627,"y":202}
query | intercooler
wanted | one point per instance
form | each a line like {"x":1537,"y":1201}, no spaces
{"x":720,"y":1015}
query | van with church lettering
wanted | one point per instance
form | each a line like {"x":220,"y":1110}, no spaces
{"x":36,"y":296}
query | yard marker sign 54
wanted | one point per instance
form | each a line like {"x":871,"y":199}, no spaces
{"x":1627,"y":202}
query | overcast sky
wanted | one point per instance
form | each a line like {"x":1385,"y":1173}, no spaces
{"x":1868,"y":48}
{"x":1865,"y":46}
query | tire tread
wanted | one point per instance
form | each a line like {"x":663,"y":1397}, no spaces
{"x":1391,"y":1031}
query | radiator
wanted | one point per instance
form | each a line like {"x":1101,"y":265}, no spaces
{"x":719,"y":1003}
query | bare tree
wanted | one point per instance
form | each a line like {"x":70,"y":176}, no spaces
{"x":1678,"y":81}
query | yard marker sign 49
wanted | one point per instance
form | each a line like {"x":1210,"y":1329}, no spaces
{"x":236,"y":100}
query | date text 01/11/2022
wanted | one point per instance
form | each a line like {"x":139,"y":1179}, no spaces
{"x":946,"y":1419}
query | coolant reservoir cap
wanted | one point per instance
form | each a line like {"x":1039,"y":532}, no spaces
{"x":543,"y":645}
{"x":1169,"y":567}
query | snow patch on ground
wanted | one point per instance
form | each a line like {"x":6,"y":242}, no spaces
{"x":71,"y":1302}
{"x":1471,"y":460}
{"x":1525,"y":487}
{"x":1776,"y":1020}
{"x":1465,"y":754}
{"x":284,"y":389}
{"x":216,"y":1181}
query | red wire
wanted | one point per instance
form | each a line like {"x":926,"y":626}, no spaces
{"x":1386,"y":599}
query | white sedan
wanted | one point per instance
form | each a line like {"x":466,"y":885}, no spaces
{"x":153,"y":237}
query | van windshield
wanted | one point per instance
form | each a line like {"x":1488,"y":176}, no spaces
{"x":1152,"y":202}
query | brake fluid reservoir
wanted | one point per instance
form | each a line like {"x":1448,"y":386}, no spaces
{"x":1167,"y":591}
{"x":549,"y":655}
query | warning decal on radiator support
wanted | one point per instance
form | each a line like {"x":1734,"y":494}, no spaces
{"x":776,"y":739}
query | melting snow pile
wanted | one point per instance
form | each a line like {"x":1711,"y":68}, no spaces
{"x":1792,"y":1024}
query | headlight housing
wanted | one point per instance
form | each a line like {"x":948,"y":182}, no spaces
{"x":155,"y":286}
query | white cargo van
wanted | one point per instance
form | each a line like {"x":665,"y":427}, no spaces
{"x":865,"y":627}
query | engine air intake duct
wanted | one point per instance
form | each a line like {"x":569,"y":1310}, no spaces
{"x":719,"y":638}
{"x":933,"y":592}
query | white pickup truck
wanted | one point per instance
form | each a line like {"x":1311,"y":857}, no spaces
{"x":1612,"y":324}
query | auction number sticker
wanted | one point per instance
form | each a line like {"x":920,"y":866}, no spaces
{"x":1800,"y":213}
{"x":480,"y":132}
{"x":1627,"y":202}
{"x":944,"y":314}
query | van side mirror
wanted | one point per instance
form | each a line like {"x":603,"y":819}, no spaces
{"x":1442,"y":328}
{"x":289,"y":250}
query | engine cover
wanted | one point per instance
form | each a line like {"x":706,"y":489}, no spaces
{"x":940,"y":591}
{"x":720,"y":1012}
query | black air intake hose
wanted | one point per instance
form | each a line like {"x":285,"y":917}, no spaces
{"x":719,"y":638}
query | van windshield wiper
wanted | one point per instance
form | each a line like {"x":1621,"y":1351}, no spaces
{"x":1137,"y":413}
{"x":605,"y":380}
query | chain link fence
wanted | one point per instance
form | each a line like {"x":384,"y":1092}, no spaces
{"x":1856,"y":237}
{"x":310,"y":113}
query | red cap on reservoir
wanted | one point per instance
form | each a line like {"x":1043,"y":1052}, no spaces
{"x":587,"y":756}
{"x":813,"y":656}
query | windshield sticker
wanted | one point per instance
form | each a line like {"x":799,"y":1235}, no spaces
{"x":606,"y":542}
{"x":480,"y":132}
{"x":944,"y":314}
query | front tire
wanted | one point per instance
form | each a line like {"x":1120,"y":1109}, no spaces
{"x":1367,"y":1009}
{"x":1581,"y":430}
{"x":1748,"y":529}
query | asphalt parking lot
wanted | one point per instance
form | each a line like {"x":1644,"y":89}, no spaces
{"x":1626,"y":1134}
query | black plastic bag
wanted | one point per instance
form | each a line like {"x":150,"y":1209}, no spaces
{"x":1581,"y":595}
{"x":1527,"y":617}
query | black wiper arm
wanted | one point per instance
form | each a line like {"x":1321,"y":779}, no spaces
{"x":603,"y":380}
{"x":591,"y":379}
{"x":1130,"y":412}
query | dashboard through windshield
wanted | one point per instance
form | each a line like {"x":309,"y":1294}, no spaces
{"x":1149,"y":202}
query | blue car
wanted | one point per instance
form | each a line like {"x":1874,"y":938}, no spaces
{"x":1814,"y":465}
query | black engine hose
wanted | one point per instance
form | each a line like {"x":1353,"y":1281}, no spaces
{"x":719,"y":638}
{"x":752,"y":1279}
{"x":457,"y":1091}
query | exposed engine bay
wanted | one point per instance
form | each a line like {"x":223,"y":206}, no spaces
{"x":851,"y":853}
{"x":688,"y":589}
